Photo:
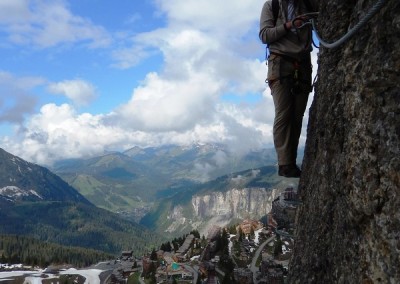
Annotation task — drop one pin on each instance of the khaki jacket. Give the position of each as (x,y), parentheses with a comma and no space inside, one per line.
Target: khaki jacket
(279,40)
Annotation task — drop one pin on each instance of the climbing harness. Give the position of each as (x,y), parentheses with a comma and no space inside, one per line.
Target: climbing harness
(295,77)
(309,19)
(297,82)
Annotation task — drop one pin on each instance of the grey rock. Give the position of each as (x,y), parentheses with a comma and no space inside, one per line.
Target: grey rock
(348,228)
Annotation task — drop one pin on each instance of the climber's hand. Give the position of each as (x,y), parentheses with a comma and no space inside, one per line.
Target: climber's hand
(296,22)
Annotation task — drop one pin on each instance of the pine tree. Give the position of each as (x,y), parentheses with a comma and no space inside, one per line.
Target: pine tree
(153,255)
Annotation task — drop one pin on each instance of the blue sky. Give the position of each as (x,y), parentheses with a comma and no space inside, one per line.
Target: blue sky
(81,77)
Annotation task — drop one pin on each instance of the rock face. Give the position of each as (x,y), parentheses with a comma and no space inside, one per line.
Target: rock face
(220,208)
(235,203)
(348,228)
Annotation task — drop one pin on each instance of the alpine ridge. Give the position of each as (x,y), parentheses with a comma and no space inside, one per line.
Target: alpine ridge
(21,180)
(34,202)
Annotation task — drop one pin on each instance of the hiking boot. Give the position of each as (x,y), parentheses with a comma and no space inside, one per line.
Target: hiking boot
(289,171)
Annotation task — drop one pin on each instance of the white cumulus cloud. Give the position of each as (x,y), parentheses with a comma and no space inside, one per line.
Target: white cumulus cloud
(48,23)
(78,91)
(209,49)
(59,131)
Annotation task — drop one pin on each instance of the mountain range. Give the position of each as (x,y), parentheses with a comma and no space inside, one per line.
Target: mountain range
(166,191)
(24,181)
(134,180)
(169,188)
(35,202)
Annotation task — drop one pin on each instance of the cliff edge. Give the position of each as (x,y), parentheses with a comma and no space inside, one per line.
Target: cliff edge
(348,226)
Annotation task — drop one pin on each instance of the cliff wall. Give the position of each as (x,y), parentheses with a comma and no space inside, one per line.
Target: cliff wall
(220,208)
(235,203)
(348,227)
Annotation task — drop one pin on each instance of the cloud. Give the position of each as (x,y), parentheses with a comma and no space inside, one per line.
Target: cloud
(209,49)
(236,17)
(129,57)
(45,24)
(170,105)
(199,69)
(80,92)
(21,106)
(16,99)
(135,17)
(14,11)
(59,131)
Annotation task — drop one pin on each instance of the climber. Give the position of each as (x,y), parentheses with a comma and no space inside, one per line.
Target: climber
(289,73)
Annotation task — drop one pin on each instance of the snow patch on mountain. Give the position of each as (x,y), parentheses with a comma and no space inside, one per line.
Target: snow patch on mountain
(15,192)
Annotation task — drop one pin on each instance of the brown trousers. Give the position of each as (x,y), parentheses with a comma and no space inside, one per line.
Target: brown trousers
(290,84)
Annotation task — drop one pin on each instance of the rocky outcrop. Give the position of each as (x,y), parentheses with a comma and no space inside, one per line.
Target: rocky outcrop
(348,228)
(235,203)
(220,208)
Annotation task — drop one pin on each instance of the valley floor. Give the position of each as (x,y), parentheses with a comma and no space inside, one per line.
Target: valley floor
(103,272)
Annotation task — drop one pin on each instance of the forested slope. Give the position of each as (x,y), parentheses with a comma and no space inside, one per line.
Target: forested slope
(29,251)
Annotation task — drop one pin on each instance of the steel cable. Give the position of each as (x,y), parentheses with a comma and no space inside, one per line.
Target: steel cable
(374,9)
